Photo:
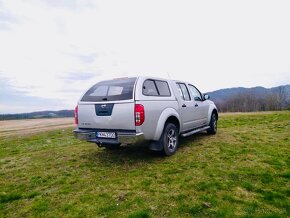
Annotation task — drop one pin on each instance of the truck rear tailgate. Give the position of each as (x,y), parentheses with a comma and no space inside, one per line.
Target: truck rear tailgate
(116,116)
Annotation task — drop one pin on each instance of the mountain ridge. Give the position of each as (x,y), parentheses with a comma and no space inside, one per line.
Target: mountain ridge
(224,94)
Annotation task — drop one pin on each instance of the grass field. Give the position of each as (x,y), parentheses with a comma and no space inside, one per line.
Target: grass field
(244,170)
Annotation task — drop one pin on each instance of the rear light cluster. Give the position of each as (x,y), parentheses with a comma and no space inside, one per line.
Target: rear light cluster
(76,115)
(139,114)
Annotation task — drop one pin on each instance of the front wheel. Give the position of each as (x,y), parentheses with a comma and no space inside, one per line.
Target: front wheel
(169,139)
(213,124)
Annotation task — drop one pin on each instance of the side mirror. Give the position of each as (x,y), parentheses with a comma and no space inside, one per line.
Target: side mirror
(206,96)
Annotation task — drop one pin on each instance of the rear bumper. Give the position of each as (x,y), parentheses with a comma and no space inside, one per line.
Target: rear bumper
(123,136)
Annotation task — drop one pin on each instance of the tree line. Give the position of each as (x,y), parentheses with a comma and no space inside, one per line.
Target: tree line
(37,115)
(249,101)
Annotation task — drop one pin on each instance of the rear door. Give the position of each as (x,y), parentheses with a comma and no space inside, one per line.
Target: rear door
(187,107)
(201,106)
(108,105)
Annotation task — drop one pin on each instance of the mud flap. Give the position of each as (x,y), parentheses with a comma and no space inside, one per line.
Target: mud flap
(155,146)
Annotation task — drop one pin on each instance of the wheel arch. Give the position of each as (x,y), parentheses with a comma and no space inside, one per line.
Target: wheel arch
(212,109)
(216,113)
(169,115)
(173,119)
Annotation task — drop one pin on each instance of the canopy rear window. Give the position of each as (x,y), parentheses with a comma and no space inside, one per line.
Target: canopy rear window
(111,90)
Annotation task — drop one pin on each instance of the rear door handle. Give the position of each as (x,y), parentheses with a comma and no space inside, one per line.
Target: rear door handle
(196,105)
(184,105)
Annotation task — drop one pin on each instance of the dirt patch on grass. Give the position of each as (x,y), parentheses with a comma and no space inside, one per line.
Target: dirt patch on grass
(24,127)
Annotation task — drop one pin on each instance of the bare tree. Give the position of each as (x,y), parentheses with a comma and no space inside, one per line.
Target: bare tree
(282,97)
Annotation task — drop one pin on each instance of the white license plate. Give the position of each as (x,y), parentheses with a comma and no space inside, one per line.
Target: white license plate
(110,135)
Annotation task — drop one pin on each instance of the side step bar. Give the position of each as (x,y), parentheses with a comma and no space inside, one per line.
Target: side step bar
(195,131)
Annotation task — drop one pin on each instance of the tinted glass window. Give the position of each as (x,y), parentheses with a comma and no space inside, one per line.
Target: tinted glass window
(149,88)
(111,90)
(195,93)
(183,90)
(163,88)
(100,91)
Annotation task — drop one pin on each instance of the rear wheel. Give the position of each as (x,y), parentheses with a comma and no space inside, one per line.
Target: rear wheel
(213,124)
(169,139)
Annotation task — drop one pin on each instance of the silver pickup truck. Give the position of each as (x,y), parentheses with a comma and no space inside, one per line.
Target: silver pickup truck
(127,110)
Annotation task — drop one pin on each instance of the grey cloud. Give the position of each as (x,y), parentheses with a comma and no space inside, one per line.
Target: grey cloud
(87,58)
(70,4)
(72,90)
(7,20)
(75,76)
(9,95)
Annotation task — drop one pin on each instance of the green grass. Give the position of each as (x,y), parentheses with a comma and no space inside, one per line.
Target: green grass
(244,171)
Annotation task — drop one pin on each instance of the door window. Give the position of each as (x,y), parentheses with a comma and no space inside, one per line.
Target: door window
(195,93)
(183,91)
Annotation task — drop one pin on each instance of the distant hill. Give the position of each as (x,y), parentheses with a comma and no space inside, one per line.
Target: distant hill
(259,91)
(252,99)
(38,114)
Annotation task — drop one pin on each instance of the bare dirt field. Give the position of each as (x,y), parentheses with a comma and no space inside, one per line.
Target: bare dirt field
(23,127)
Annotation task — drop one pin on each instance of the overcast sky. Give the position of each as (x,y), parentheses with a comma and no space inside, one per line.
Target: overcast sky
(51,51)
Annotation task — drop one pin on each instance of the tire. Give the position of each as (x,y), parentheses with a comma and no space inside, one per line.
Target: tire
(213,124)
(169,139)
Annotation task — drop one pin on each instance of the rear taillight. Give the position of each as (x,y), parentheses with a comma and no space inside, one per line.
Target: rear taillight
(139,114)
(76,115)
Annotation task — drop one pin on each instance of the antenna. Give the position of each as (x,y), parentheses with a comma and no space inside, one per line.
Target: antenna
(168,75)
